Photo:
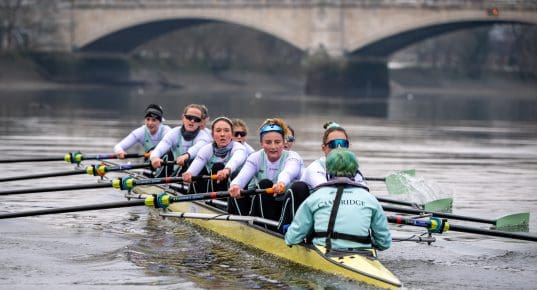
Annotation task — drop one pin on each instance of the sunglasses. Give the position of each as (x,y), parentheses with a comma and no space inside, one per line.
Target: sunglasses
(240,134)
(192,118)
(337,143)
(290,138)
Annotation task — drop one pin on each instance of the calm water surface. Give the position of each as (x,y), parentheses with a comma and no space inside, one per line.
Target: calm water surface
(481,151)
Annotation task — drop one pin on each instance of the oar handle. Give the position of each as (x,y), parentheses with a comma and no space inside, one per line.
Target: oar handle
(164,200)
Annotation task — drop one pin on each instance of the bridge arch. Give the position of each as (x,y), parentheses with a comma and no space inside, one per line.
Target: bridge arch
(388,45)
(124,34)
(398,29)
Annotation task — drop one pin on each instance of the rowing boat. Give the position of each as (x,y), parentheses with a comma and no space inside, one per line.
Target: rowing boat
(362,266)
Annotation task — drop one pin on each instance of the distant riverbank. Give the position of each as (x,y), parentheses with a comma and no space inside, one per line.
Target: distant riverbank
(20,73)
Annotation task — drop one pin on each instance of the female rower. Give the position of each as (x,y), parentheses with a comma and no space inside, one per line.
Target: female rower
(240,131)
(289,139)
(340,213)
(221,158)
(184,141)
(271,166)
(334,137)
(148,135)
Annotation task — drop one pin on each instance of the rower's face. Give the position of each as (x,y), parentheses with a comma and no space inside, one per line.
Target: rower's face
(152,124)
(239,134)
(192,119)
(272,143)
(222,133)
(332,136)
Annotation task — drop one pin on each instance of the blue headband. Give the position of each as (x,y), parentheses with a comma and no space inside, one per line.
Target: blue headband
(272,127)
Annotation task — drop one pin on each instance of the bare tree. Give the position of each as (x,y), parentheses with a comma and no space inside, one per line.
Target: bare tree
(9,15)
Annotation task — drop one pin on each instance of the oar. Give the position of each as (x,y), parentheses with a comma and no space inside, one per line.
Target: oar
(438,226)
(159,201)
(77,157)
(95,170)
(125,183)
(395,182)
(511,222)
(74,157)
(399,202)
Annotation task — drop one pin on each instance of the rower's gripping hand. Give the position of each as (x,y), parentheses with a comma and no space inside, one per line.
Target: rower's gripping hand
(278,188)
(234,191)
(121,154)
(187,177)
(156,162)
(222,175)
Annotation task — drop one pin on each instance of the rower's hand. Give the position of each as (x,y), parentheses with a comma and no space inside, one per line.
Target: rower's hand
(156,162)
(121,154)
(181,160)
(222,175)
(187,177)
(234,191)
(279,188)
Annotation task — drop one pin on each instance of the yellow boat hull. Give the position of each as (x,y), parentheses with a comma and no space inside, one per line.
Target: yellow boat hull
(363,268)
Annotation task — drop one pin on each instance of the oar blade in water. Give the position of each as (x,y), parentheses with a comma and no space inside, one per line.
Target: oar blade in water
(397,183)
(518,222)
(439,205)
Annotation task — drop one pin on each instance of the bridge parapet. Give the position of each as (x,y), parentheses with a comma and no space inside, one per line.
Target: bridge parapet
(433,4)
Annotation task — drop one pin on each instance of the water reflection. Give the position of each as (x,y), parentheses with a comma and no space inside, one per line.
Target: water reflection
(127,102)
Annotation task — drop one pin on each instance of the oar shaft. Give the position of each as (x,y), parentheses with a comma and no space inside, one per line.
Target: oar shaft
(472,230)
(437,214)
(375,178)
(56,188)
(84,157)
(43,175)
(464,229)
(149,201)
(73,209)
(38,159)
(109,156)
(214,195)
(394,201)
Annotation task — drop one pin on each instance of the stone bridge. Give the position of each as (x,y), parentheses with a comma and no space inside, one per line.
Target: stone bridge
(374,27)
(345,29)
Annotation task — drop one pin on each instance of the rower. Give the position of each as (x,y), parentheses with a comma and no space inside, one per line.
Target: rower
(222,158)
(271,166)
(147,135)
(289,139)
(240,131)
(340,213)
(334,137)
(185,140)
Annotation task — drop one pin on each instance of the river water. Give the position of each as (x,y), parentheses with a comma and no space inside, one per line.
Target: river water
(482,151)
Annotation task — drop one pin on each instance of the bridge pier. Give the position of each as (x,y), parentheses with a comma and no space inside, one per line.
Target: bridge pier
(347,77)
